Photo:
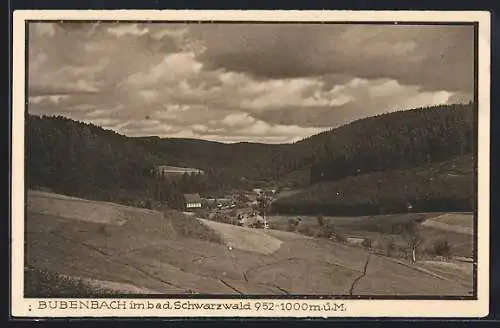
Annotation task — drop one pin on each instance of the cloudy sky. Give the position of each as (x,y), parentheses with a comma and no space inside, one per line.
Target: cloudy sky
(239,82)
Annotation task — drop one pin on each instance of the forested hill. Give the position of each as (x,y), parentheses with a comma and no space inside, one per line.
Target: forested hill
(424,157)
(85,160)
(250,160)
(390,141)
(393,141)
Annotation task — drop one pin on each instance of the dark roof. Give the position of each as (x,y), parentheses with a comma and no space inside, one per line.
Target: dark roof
(191,198)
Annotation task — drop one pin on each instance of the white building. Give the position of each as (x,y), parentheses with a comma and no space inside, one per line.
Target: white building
(192,201)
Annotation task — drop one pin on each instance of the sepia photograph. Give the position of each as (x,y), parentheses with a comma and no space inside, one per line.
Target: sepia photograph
(250,161)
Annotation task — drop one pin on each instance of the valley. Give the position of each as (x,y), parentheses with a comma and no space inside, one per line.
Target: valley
(381,206)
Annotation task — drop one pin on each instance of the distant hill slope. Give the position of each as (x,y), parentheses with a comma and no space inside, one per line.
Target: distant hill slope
(85,160)
(249,160)
(442,186)
(395,140)
(389,141)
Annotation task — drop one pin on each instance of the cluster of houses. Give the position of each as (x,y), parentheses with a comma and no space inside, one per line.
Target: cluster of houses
(239,208)
(195,201)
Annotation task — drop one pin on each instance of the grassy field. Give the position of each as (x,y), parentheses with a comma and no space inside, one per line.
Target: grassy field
(454,228)
(254,240)
(171,253)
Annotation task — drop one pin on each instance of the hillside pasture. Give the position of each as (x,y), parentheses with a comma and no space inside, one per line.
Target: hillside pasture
(455,228)
(253,240)
(462,223)
(171,253)
(74,208)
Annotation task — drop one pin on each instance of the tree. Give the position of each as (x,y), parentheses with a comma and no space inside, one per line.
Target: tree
(367,243)
(263,206)
(411,232)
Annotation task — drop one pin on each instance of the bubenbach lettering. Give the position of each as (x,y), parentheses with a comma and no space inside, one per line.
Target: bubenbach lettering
(78,305)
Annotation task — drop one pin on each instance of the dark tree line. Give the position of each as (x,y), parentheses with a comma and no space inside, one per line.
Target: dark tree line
(396,140)
(443,186)
(86,161)
(390,141)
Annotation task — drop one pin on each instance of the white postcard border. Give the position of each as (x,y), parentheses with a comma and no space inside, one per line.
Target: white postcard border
(22,307)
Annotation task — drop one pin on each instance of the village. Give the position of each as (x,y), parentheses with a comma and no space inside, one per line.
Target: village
(243,208)
(238,207)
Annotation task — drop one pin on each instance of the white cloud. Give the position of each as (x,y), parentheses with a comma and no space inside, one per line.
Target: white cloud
(128,29)
(152,80)
(237,120)
(52,99)
(173,67)
(176,33)
(44,29)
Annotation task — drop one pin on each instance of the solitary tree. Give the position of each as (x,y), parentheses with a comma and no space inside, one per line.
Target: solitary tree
(411,232)
(367,243)
(263,206)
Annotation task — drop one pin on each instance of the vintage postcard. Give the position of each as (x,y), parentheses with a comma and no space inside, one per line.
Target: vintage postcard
(250,164)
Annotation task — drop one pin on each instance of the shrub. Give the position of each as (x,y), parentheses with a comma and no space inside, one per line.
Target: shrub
(442,248)
(192,228)
(258,224)
(390,247)
(44,283)
(293,224)
(339,237)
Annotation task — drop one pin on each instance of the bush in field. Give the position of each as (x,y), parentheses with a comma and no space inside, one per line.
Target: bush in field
(327,231)
(442,248)
(293,224)
(390,248)
(192,228)
(339,237)
(257,225)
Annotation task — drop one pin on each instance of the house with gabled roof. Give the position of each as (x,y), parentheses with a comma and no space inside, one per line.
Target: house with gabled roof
(192,201)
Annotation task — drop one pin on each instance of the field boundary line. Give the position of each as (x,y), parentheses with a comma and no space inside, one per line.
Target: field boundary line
(351,290)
